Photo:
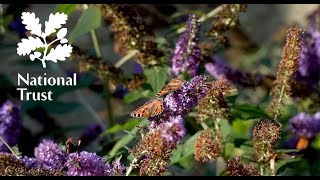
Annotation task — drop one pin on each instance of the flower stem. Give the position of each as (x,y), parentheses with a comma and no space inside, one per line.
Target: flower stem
(105,78)
(131,166)
(273,165)
(279,102)
(8,146)
(126,58)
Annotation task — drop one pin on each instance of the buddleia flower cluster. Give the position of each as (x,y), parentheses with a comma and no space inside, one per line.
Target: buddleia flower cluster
(286,71)
(50,157)
(167,130)
(305,128)
(10,125)
(187,53)
(236,168)
(10,165)
(219,69)
(208,145)
(265,135)
(131,32)
(213,105)
(226,19)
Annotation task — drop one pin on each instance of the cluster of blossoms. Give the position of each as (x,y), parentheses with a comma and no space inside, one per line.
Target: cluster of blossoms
(220,70)
(305,128)
(10,124)
(309,63)
(167,130)
(187,52)
(49,156)
(236,168)
(265,135)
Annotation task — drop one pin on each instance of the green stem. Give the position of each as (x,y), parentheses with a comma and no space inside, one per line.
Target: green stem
(125,58)
(131,166)
(105,78)
(277,113)
(108,101)
(8,146)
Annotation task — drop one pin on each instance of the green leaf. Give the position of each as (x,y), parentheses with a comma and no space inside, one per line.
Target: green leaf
(90,19)
(247,112)
(156,77)
(281,165)
(184,150)
(66,8)
(125,139)
(316,142)
(135,95)
(225,129)
(16,151)
(241,129)
(176,155)
(286,151)
(118,127)
(228,150)
(6,20)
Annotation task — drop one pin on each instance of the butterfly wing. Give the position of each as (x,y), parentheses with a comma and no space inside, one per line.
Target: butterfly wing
(70,147)
(174,85)
(149,109)
(159,108)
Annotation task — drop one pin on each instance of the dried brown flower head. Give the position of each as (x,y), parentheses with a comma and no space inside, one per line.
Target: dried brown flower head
(236,168)
(226,19)
(208,145)
(157,153)
(131,32)
(265,135)
(286,71)
(213,105)
(11,166)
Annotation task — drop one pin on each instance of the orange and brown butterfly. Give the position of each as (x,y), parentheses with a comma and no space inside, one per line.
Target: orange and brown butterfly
(149,109)
(70,147)
(174,85)
(302,143)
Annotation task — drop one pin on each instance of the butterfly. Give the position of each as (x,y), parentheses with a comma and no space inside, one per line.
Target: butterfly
(149,109)
(70,147)
(302,143)
(174,85)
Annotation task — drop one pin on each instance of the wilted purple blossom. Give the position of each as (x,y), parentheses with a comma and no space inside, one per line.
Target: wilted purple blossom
(10,124)
(305,125)
(30,162)
(173,130)
(16,25)
(309,63)
(187,53)
(137,69)
(117,169)
(220,70)
(177,105)
(87,164)
(49,155)
(92,131)
(120,91)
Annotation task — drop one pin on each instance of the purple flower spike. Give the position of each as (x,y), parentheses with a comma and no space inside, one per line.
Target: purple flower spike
(87,164)
(177,105)
(49,155)
(305,126)
(30,162)
(10,125)
(187,53)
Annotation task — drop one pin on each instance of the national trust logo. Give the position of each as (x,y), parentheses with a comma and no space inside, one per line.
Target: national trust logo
(37,45)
